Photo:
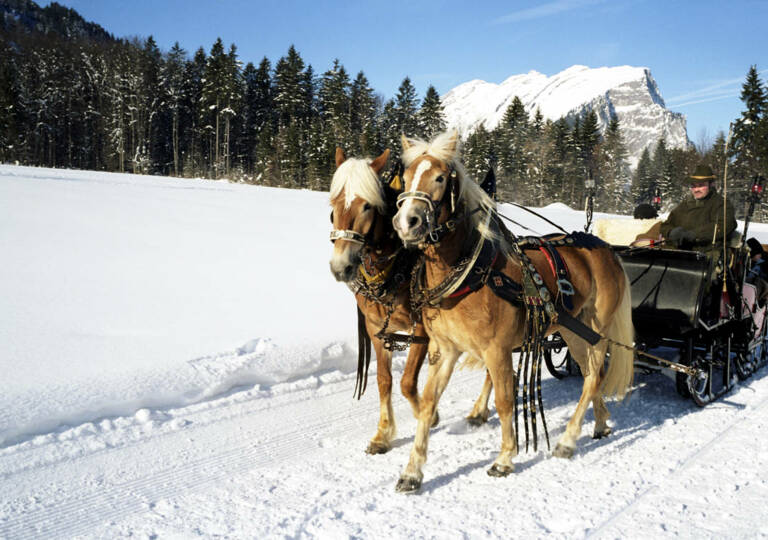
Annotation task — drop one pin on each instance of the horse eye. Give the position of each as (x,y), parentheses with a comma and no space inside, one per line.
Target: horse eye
(366,206)
(440,179)
(331,216)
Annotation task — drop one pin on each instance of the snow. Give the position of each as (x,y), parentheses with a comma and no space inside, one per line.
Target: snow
(178,362)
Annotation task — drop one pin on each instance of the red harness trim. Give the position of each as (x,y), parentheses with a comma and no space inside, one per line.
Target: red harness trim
(545,251)
(551,262)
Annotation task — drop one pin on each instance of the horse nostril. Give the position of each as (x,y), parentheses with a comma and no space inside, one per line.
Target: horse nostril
(413,222)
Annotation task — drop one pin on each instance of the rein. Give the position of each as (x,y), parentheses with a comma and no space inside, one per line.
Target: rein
(537,215)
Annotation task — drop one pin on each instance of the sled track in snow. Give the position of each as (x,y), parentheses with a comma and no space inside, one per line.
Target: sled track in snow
(604,529)
(261,437)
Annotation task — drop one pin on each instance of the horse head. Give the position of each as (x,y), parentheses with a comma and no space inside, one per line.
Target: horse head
(360,212)
(436,186)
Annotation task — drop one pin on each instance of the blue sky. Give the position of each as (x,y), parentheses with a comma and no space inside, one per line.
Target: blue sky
(698,51)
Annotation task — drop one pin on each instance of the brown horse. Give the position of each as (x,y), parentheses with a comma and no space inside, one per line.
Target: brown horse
(366,248)
(438,194)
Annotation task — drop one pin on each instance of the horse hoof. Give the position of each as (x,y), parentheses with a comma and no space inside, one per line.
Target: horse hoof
(435,420)
(377,448)
(562,451)
(477,420)
(500,470)
(408,485)
(601,434)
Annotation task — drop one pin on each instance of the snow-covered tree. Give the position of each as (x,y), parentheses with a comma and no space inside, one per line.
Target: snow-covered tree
(431,115)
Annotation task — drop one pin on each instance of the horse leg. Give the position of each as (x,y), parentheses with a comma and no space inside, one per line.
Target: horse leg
(479,414)
(409,383)
(385,433)
(601,413)
(602,429)
(591,366)
(437,378)
(503,376)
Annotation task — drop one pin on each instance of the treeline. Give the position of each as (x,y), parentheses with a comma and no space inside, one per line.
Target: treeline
(73,96)
(127,106)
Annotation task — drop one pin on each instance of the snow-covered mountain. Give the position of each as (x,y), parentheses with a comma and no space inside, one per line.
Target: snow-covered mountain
(628,92)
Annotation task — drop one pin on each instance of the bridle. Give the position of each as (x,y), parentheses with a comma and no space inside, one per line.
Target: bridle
(435,231)
(355,237)
(350,236)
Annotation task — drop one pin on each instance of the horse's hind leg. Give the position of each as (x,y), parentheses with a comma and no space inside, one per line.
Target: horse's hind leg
(601,413)
(385,433)
(590,367)
(479,414)
(409,383)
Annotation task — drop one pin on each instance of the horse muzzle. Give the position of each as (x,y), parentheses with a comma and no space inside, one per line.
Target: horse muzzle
(411,226)
(344,267)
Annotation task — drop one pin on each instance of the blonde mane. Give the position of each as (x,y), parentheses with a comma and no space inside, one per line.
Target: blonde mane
(445,147)
(356,178)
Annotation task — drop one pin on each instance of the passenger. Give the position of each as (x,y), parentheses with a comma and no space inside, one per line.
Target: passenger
(759,268)
(697,223)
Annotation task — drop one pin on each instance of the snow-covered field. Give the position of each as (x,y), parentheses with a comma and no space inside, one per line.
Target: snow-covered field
(176,361)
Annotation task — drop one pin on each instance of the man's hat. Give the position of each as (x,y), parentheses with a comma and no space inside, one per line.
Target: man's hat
(701,173)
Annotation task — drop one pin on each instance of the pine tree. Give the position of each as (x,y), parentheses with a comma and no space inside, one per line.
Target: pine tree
(363,112)
(194,160)
(478,156)
(511,135)
(612,194)
(643,183)
(431,115)
(261,122)
(289,98)
(406,109)
(334,106)
(749,147)
(661,169)
(172,84)
(589,138)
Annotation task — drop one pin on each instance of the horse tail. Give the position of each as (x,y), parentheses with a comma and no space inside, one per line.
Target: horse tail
(618,379)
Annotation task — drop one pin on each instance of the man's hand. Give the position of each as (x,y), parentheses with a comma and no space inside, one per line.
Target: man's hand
(682,238)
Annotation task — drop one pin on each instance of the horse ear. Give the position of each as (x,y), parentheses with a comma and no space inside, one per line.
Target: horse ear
(489,183)
(453,142)
(404,142)
(340,158)
(378,164)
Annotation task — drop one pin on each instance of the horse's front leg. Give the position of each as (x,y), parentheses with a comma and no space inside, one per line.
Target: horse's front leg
(385,433)
(409,383)
(438,376)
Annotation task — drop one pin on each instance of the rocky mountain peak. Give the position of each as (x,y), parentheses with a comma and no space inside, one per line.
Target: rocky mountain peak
(628,92)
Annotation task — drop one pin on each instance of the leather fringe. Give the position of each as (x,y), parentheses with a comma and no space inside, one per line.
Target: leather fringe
(363,356)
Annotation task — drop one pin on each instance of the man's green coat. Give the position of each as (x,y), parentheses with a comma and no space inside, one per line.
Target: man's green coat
(701,217)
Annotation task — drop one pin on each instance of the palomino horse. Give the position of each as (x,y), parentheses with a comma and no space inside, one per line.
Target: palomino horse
(363,233)
(366,245)
(440,198)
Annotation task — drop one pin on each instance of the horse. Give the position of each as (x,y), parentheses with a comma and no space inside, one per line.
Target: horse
(448,217)
(366,251)
(364,244)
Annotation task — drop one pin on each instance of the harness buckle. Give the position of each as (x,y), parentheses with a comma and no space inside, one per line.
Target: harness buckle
(565,287)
